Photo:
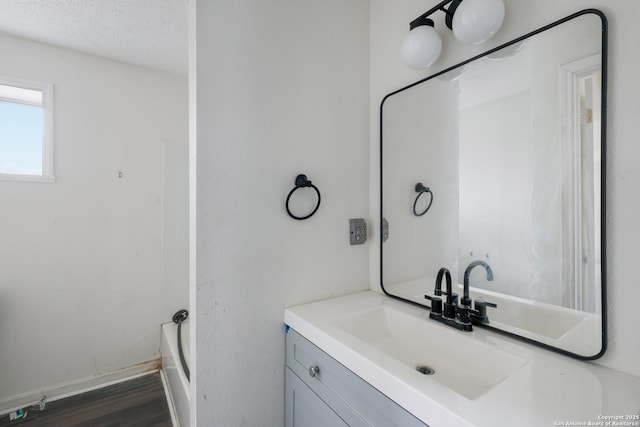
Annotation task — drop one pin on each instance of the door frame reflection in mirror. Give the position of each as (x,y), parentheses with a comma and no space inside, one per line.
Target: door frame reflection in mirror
(530,338)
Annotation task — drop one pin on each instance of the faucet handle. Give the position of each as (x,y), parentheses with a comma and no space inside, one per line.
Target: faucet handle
(436,305)
(480,302)
(480,313)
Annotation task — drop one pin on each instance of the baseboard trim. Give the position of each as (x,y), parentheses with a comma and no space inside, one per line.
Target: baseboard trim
(84,385)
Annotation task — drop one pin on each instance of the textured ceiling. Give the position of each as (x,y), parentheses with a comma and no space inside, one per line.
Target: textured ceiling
(151,33)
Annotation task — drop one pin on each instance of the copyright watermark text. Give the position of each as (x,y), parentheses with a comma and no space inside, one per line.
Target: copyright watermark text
(603,420)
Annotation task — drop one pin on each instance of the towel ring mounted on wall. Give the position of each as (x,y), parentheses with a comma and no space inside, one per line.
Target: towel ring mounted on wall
(302,182)
(421,189)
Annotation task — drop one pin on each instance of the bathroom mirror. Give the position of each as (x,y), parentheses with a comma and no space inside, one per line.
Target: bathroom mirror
(511,146)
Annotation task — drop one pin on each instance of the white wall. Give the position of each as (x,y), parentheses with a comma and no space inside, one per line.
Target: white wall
(175,226)
(280,88)
(389,24)
(80,259)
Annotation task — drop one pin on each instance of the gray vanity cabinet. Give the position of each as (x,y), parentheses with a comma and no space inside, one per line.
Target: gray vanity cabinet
(322,392)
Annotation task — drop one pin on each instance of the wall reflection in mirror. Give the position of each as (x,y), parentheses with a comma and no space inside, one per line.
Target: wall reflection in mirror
(512,144)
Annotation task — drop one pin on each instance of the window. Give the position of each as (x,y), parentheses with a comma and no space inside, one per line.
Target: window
(26,131)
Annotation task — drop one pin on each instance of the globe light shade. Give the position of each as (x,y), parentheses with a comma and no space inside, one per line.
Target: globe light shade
(476,21)
(421,47)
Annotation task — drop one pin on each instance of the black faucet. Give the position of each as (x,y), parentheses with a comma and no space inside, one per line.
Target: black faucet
(465,297)
(449,315)
(479,315)
(452,299)
(436,301)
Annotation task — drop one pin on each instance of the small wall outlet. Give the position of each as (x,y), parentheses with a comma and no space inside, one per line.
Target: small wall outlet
(357,231)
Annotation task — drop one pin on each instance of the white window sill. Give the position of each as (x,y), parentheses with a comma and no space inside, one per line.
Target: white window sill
(27,178)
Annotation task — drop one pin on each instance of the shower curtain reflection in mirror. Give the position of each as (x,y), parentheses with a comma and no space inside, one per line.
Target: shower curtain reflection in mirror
(528,199)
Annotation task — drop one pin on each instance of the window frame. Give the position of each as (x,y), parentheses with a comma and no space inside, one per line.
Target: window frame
(47,128)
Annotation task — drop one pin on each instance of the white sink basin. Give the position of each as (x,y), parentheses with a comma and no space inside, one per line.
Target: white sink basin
(422,342)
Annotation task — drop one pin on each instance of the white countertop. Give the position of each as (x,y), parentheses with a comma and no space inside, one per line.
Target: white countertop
(548,390)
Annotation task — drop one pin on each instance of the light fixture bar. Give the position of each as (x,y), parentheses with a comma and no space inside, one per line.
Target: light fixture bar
(420,20)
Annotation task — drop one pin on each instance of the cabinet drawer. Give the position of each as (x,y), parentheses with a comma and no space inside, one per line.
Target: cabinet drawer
(352,398)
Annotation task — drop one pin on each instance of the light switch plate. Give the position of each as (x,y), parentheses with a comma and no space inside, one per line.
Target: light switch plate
(357,231)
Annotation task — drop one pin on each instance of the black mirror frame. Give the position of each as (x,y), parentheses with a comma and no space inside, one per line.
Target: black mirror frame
(603,18)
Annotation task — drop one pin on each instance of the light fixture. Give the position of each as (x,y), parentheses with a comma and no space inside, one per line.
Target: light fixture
(422,46)
(472,22)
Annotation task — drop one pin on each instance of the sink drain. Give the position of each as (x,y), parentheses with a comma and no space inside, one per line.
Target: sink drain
(425,370)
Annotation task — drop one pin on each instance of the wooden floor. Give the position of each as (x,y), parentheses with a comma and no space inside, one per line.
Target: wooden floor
(139,402)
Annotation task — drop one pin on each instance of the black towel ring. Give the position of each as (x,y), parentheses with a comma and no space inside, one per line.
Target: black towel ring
(301,182)
(421,189)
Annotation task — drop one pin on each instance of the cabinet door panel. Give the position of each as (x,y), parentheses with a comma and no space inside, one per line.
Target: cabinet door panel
(303,408)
